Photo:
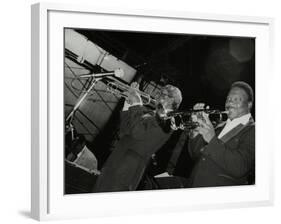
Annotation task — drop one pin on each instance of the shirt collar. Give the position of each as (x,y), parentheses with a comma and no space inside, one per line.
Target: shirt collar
(241,120)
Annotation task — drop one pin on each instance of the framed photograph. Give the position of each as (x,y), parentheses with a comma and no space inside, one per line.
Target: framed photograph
(138,111)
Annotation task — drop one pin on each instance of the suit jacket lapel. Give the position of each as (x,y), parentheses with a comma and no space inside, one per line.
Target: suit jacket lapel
(235,131)
(232,133)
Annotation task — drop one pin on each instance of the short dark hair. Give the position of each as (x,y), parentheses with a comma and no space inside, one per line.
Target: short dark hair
(246,87)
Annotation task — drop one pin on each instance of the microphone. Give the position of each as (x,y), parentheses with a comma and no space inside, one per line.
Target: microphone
(119,73)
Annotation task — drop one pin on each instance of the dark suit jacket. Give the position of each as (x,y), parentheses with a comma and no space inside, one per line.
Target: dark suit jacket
(141,135)
(224,163)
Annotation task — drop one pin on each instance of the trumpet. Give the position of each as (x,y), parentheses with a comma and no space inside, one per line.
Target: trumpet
(184,120)
(119,89)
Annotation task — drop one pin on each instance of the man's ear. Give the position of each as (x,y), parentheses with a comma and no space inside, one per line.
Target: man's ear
(250,104)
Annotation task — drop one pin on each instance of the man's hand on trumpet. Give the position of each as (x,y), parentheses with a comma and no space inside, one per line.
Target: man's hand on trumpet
(205,126)
(133,97)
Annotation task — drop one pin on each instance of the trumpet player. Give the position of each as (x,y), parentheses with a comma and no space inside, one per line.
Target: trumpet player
(142,133)
(225,156)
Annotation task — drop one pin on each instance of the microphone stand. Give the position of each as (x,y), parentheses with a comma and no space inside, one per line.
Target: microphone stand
(70,117)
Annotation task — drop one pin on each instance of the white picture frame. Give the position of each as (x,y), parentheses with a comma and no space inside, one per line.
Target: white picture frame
(48,201)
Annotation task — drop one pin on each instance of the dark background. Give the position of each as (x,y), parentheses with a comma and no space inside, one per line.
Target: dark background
(203,67)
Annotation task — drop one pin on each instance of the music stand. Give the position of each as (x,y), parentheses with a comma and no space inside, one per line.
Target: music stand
(78,103)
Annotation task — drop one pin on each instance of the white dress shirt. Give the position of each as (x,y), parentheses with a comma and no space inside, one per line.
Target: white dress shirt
(230,124)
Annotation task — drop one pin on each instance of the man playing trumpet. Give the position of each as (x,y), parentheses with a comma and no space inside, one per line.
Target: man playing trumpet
(225,156)
(142,133)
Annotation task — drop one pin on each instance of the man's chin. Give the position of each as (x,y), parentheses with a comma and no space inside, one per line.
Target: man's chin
(230,115)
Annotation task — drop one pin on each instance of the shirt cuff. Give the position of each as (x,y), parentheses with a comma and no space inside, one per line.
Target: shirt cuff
(127,106)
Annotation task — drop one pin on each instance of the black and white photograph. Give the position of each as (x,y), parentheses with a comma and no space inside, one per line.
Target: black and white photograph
(157,111)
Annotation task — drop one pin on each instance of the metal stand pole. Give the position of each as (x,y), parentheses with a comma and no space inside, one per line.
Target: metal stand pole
(80,100)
